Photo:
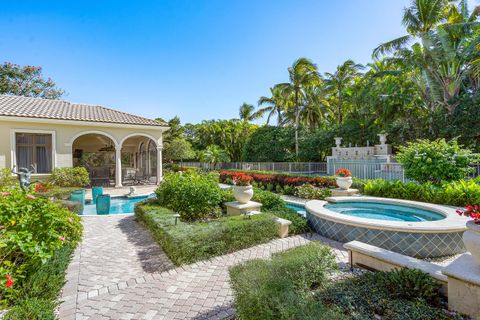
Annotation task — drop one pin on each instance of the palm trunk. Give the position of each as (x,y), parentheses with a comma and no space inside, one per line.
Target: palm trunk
(296,124)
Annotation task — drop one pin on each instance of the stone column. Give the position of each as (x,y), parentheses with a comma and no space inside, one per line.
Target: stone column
(118,167)
(159,164)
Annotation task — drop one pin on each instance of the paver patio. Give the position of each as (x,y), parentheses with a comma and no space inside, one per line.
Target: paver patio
(119,272)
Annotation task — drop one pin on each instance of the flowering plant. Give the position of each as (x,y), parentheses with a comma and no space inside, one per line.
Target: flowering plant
(242,179)
(342,172)
(471,212)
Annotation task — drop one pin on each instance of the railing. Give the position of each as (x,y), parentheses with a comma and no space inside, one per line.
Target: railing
(309,168)
(362,169)
(369,169)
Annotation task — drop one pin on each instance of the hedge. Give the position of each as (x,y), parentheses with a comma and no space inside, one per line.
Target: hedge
(186,243)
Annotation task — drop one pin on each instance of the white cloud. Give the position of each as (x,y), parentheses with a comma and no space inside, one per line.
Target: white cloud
(473,3)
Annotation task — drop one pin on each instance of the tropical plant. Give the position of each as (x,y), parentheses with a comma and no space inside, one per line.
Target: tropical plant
(213,154)
(247,112)
(434,161)
(69,177)
(178,149)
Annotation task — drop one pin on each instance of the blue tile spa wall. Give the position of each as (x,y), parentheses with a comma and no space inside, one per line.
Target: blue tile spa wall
(419,245)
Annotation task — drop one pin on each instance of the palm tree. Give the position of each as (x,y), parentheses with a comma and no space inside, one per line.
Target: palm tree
(276,104)
(337,83)
(214,155)
(247,112)
(419,18)
(302,73)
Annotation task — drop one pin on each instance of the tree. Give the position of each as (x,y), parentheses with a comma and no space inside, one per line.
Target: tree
(276,104)
(302,73)
(27,81)
(339,83)
(214,155)
(247,112)
(178,149)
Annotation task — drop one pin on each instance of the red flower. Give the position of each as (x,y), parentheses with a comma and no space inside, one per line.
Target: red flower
(342,172)
(471,212)
(241,179)
(4,194)
(61,238)
(9,283)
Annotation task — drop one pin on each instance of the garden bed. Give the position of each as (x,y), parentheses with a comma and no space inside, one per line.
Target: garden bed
(188,242)
(302,283)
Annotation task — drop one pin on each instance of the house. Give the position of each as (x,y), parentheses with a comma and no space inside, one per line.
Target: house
(116,147)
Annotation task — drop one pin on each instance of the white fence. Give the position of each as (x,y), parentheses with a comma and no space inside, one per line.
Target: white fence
(309,168)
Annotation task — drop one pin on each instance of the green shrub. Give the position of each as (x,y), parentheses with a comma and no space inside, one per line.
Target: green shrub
(269,200)
(279,288)
(188,242)
(69,177)
(7,179)
(193,195)
(384,295)
(434,161)
(410,284)
(33,228)
(32,309)
(459,193)
(299,224)
(308,191)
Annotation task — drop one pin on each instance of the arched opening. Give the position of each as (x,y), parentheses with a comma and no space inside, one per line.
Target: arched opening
(96,153)
(139,160)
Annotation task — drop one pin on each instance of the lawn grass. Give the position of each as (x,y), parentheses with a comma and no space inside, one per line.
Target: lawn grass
(186,243)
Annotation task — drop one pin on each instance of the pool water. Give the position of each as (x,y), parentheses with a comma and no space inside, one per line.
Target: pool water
(299,208)
(380,211)
(117,205)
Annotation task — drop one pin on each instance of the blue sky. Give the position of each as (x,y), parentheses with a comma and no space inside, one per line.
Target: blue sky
(198,59)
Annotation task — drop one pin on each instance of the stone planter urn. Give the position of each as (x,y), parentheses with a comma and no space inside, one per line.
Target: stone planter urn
(344,183)
(383,138)
(243,194)
(471,239)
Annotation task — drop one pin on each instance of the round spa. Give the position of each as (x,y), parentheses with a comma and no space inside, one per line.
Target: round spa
(415,229)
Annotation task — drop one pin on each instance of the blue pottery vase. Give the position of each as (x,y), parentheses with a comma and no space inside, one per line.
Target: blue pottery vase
(103,204)
(78,196)
(96,191)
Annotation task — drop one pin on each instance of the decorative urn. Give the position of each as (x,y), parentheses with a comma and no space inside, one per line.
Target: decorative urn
(344,178)
(242,190)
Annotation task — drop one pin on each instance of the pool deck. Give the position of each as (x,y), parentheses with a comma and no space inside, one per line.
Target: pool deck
(119,272)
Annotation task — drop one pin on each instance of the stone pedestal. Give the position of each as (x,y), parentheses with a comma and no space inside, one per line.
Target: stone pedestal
(344,193)
(236,208)
(464,285)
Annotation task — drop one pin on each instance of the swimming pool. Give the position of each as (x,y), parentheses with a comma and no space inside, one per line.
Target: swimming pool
(299,208)
(383,211)
(118,205)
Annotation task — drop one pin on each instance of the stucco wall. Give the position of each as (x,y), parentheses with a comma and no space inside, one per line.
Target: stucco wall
(65,133)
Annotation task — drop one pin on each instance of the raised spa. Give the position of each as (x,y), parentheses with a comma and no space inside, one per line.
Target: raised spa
(411,228)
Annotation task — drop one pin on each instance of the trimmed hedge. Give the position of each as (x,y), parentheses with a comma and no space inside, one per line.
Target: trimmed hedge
(186,243)
(458,193)
(37,296)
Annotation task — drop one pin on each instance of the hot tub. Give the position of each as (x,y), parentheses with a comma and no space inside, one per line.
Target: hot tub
(415,229)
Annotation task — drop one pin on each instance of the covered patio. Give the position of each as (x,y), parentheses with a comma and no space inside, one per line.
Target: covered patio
(134,160)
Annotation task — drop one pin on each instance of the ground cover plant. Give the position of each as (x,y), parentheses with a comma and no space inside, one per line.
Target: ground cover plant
(188,242)
(35,233)
(457,193)
(310,192)
(296,284)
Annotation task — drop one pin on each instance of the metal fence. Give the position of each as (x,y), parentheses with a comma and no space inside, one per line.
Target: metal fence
(309,168)
(362,169)
(369,169)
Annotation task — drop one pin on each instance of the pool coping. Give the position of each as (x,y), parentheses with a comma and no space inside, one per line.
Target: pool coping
(452,222)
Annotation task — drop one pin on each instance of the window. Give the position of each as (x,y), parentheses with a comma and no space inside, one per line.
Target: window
(34,149)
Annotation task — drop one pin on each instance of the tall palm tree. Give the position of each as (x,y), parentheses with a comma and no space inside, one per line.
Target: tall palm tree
(338,82)
(247,112)
(302,73)
(419,18)
(276,105)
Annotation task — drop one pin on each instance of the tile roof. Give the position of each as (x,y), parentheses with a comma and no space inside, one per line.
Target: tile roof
(18,106)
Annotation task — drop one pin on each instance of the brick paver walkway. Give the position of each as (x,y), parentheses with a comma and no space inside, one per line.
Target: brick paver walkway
(119,272)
